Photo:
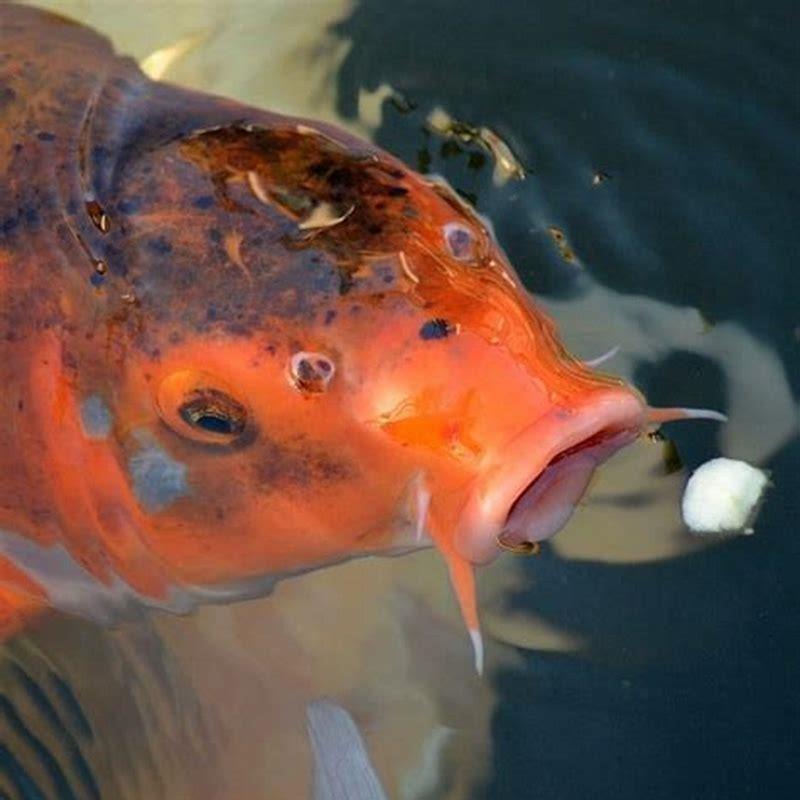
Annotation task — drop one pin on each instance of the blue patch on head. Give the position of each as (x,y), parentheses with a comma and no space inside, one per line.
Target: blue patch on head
(96,417)
(158,479)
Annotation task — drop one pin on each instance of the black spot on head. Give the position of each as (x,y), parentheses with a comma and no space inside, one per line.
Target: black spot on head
(215,235)
(330,315)
(397,191)
(9,224)
(45,136)
(206,201)
(436,329)
(160,245)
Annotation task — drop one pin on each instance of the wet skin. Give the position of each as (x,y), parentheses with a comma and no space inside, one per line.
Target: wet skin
(237,346)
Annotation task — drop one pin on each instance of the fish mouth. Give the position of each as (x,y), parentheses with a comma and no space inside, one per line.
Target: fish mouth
(538,478)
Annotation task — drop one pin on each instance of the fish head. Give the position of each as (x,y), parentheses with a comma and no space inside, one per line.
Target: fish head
(326,356)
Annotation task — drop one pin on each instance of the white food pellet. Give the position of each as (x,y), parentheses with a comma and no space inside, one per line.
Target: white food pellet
(723,496)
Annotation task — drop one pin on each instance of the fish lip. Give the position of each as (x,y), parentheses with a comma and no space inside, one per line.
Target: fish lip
(616,415)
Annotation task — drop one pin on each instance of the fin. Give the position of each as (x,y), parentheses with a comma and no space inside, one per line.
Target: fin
(342,767)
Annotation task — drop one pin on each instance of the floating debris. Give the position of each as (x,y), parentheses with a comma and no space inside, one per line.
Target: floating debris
(723,497)
(600,177)
(158,63)
(562,245)
(401,103)
(507,165)
(671,458)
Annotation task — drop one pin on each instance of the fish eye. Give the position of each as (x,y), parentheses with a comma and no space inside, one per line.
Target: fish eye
(200,407)
(460,241)
(214,412)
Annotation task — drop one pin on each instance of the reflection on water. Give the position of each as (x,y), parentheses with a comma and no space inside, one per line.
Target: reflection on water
(629,659)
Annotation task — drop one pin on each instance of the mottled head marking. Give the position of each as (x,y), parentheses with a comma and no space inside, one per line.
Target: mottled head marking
(96,417)
(158,479)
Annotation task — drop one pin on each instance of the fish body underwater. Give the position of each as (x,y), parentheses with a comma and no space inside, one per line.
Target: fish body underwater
(237,346)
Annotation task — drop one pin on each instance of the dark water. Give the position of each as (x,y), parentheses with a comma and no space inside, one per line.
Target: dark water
(686,686)
(689,687)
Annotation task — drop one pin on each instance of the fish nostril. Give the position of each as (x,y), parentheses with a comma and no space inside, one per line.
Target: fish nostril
(311,372)
(460,241)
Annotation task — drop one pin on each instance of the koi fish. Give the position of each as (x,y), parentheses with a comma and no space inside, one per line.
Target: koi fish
(237,346)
